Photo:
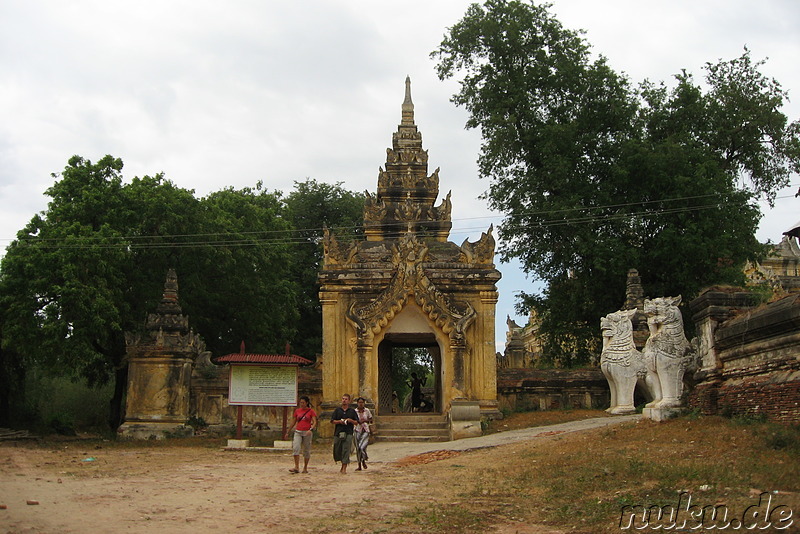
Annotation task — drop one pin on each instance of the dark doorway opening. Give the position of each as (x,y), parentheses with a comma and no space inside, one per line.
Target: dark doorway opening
(399,355)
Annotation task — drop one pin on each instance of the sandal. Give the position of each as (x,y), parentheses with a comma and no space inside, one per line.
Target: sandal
(294,471)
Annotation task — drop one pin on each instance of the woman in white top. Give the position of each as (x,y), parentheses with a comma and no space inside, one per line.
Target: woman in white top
(362,432)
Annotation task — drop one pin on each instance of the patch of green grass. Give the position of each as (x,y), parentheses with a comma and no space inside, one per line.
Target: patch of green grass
(584,480)
(786,438)
(749,419)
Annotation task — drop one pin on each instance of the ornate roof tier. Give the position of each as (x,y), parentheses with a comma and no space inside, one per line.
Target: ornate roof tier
(406,193)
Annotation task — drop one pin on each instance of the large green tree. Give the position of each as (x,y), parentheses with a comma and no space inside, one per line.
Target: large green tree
(70,285)
(239,286)
(596,175)
(310,207)
(12,377)
(92,266)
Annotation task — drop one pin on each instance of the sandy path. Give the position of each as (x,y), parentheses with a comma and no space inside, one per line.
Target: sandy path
(189,491)
(196,489)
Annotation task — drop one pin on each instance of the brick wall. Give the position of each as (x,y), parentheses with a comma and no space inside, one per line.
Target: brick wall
(751,358)
(551,389)
(752,396)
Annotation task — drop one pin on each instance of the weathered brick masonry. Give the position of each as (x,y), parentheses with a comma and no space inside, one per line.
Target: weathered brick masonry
(552,389)
(750,356)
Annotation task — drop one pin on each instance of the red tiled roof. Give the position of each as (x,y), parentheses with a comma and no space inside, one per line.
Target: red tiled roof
(238,357)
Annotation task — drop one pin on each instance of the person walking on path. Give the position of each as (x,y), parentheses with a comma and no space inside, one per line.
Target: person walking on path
(305,421)
(345,418)
(362,432)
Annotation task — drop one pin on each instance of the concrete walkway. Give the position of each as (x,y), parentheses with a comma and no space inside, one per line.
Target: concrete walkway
(393,451)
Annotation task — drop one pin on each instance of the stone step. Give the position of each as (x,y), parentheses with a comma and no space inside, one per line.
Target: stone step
(410,425)
(412,431)
(411,417)
(406,438)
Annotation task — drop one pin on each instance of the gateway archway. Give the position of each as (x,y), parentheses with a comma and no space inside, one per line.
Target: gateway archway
(394,354)
(408,286)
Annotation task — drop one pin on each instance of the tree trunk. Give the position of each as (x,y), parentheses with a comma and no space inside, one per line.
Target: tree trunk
(5,390)
(12,388)
(116,408)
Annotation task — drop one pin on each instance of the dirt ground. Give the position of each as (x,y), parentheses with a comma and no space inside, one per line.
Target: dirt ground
(99,487)
(177,489)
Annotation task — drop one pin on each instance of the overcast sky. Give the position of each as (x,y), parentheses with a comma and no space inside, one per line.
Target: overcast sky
(218,94)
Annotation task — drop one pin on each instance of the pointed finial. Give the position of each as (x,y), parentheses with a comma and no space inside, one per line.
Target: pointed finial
(169,298)
(408,105)
(171,286)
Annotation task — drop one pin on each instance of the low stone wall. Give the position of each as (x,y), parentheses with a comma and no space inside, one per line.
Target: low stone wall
(750,356)
(551,389)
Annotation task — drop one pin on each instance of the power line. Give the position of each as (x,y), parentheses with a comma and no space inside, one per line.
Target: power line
(312,235)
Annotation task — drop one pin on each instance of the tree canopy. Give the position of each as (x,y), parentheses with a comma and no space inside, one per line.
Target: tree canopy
(72,282)
(93,265)
(310,207)
(238,286)
(596,175)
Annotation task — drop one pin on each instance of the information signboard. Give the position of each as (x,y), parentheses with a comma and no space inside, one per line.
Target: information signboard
(263,385)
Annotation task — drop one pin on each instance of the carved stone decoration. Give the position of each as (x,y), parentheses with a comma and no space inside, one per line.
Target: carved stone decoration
(670,351)
(409,210)
(405,156)
(634,298)
(334,252)
(410,279)
(622,364)
(406,193)
(442,211)
(481,251)
(374,209)
(634,292)
(408,134)
(432,181)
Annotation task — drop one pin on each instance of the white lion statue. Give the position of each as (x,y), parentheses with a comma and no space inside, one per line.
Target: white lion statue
(623,365)
(667,348)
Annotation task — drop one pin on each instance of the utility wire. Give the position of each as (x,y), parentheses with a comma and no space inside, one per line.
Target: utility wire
(312,235)
(81,242)
(344,228)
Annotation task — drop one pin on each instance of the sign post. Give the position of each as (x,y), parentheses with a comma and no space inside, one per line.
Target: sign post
(261,380)
(262,385)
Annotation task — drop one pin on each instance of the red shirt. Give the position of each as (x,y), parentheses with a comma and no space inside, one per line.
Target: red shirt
(303,416)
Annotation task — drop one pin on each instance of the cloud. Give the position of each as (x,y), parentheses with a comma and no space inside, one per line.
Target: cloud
(225,94)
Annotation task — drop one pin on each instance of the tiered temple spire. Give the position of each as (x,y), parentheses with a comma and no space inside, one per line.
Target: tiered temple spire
(169,316)
(406,193)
